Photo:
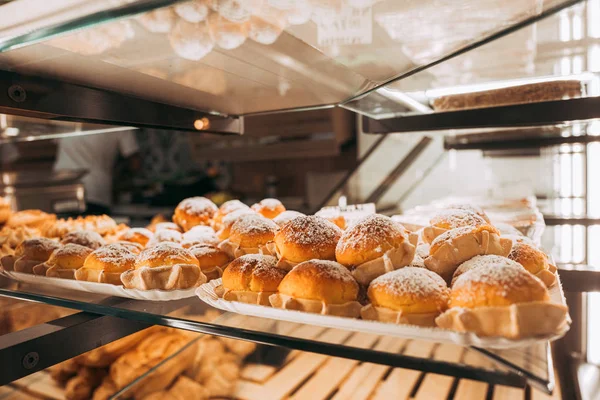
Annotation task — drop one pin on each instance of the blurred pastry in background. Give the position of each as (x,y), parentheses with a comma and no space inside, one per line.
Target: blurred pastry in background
(192,11)
(5,210)
(10,238)
(31,219)
(165,235)
(228,35)
(63,262)
(191,41)
(158,21)
(83,237)
(450,219)
(166,225)
(286,217)
(269,208)
(200,234)
(28,254)
(212,261)
(250,234)
(194,211)
(137,235)
(225,209)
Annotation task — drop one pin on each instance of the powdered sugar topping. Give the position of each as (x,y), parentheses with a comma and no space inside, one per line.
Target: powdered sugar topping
(269,204)
(231,206)
(85,238)
(493,270)
(72,250)
(166,252)
(114,254)
(410,281)
(133,232)
(456,218)
(253,224)
(326,270)
(286,217)
(197,206)
(310,230)
(371,227)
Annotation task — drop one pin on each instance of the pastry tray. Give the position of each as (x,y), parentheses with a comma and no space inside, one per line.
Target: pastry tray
(206,293)
(100,288)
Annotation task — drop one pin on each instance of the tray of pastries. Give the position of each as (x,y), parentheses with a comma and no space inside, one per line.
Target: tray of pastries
(458,280)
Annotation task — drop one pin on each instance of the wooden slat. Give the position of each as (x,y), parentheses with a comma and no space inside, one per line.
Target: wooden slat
(435,386)
(257,372)
(46,387)
(537,395)
(333,371)
(508,393)
(469,390)
(476,359)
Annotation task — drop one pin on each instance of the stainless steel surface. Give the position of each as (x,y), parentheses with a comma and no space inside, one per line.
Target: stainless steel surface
(30,350)
(67,198)
(31,179)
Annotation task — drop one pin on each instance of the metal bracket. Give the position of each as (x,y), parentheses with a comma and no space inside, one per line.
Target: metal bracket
(30,350)
(50,99)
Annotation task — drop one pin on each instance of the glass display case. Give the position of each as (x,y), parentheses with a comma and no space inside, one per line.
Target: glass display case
(444,92)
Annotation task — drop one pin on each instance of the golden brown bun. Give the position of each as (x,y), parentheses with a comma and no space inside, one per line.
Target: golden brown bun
(472,208)
(164,254)
(194,211)
(339,220)
(254,273)
(227,208)
(252,230)
(136,235)
(103,224)
(209,257)
(494,284)
(165,235)
(10,238)
(135,248)
(325,281)
(200,235)
(478,261)
(286,217)
(307,237)
(411,290)
(450,219)
(86,238)
(230,219)
(532,259)
(369,239)
(36,249)
(157,219)
(70,256)
(269,208)
(106,264)
(166,225)
(32,219)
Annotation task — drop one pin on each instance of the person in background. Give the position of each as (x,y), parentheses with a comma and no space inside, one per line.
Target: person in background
(97,154)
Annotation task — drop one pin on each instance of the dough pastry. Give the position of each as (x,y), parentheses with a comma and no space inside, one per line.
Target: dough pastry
(28,254)
(226,208)
(86,238)
(64,261)
(269,208)
(534,261)
(106,264)
(194,211)
(137,235)
(250,234)
(450,219)
(282,219)
(212,261)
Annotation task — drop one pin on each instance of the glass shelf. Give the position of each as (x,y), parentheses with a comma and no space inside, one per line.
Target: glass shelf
(242,57)
(512,368)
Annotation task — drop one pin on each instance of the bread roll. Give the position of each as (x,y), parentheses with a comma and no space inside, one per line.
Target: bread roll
(226,208)
(502,299)
(478,261)
(373,246)
(200,235)
(318,286)
(31,219)
(286,217)
(10,238)
(212,261)
(106,264)
(269,208)
(306,238)
(251,278)
(230,219)
(136,235)
(28,254)
(450,219)
(165,235)
(166,225)
(194,211)
(470,207)
(250,234)
(409,295)
(133,247)
(86,238)
(64,261)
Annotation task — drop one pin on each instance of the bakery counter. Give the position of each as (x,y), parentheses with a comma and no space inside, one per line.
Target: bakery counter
(113,315)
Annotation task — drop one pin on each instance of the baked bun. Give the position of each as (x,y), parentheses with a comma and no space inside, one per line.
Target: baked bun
(194,211)
(212,261)
(32,219)
(373,246)
(200,235)
(249,235)
(102,224)
(10,238)
(269,208)
(230,219)
(64,261)
(5,210)
(450,219)
(136,235)
(534,261)
(471,208)
(478,261)
(166,225)
(409,295)
(502,299)
(453,247)
(86,238)
(165,267)
(133,247)
(28,254)
(165,235)
(227,208)
(286,217)
(106,264)
(251,278)
(321,287)
(306,238)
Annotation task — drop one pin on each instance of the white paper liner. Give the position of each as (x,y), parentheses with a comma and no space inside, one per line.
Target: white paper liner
(515,321)
(391,260)
(99,276)
(212,273)
(547,277)
(25,266)
(100,288)
(431,232)
(234,250)
(282,262)
(207,294)
(41,269)
(370,312)
(350,309)
(63,273)
(171,277)
(8,262)
(246,296)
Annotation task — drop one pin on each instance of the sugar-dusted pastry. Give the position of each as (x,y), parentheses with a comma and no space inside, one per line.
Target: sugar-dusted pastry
(165,235)
(456,246)
(10,238)
(305,238)
(373,246)
(470,207)
(534,261)
(137,235)
(5,210)
(269,208)
(320,287)
(250,234)
(28,254)
(106,264)
(166,225)
(31,219)
(212,261)
(450,219)
(158,21)
(334,215)
(166,267)
(226,208)
(86,238)
(502,299)
(478,261)
(286,217)
(251,278)
(133,247)
(64,261)
(102,224)
(200,234)
(409,295)
(194,211)
(158,219)
(230,219)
